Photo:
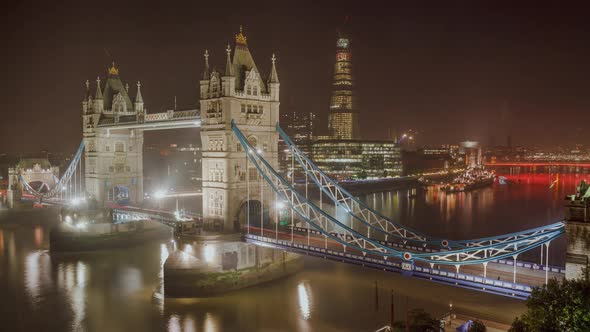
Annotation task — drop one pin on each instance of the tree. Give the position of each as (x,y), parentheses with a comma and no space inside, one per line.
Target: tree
(478,326)
(557,306)
(419,321)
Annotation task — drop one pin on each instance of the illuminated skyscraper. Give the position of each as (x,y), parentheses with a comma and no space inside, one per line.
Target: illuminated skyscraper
(343,119)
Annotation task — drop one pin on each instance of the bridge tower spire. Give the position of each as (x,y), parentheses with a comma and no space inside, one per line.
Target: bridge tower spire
(244,96)
(206,75)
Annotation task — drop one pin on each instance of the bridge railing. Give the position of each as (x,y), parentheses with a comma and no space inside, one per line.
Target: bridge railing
(500,287)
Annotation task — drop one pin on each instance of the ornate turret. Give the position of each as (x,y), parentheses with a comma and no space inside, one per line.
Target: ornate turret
(98,94)
(229,71)
(138,99)
(228,81)
(87,101)
(206,70)
(204,84)
(273,80)
(98,98)
(274,77)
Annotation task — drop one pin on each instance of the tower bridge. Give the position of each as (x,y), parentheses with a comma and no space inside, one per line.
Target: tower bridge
(243,192)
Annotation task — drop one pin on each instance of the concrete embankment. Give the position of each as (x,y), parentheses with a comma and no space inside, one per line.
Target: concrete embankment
(212,269)
(66,238)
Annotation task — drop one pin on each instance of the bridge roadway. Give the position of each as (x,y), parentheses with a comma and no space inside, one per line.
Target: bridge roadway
(498,280)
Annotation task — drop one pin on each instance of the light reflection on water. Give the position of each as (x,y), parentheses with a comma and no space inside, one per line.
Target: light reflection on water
(304,297)
(123,289)
(1,242)
(71,280)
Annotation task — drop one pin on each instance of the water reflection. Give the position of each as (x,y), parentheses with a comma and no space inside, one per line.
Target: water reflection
(211,324)
(1,242)
(38,234)
(123,289)
(72,279)
(304,298)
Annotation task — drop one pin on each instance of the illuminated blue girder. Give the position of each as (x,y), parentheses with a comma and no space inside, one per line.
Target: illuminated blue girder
(498,248)
(376,221)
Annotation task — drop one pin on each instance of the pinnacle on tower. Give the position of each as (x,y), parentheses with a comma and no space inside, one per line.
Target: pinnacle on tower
(138,97)
(87,95)
(113,71)
(228,65)
(274,78)
(240,38)
(98,90)
(206,70)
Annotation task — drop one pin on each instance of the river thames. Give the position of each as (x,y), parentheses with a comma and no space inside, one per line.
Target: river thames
(121,290)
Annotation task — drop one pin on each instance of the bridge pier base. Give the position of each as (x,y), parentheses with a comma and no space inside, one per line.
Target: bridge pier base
(210,268)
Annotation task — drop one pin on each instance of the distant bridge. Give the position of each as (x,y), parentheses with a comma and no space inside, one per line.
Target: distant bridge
(538,164)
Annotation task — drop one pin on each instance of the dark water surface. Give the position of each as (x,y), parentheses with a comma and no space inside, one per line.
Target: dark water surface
(121,290)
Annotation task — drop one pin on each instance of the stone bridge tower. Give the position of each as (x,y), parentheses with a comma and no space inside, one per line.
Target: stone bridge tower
(240,93)
(113,149)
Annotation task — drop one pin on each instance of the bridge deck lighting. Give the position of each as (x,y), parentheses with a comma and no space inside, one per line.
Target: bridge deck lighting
(159,194)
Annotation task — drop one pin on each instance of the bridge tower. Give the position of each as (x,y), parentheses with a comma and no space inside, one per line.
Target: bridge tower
(240,94)
(577,230)
(113,148)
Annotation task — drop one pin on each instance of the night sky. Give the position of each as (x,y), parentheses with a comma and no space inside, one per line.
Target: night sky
(452,70)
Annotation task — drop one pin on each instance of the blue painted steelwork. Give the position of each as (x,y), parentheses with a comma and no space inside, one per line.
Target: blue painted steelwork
(501,248)
(340,196)
(488,285)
